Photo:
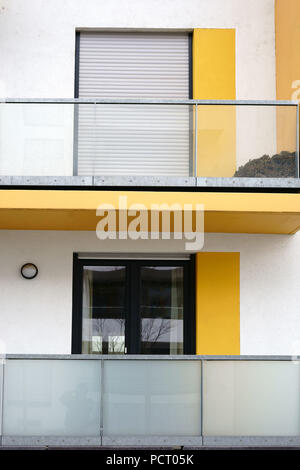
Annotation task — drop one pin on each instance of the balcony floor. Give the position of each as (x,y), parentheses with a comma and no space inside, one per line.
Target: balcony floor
(110,181)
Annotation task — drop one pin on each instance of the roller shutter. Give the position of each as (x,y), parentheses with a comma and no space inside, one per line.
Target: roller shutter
(134,139)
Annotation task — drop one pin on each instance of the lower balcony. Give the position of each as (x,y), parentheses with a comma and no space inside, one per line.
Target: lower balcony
(190,401)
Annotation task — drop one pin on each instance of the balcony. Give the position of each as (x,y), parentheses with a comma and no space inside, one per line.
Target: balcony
(171,143)
(209,150)
(149,400)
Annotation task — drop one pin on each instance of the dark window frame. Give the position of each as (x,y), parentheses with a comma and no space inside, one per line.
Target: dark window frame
(132,330)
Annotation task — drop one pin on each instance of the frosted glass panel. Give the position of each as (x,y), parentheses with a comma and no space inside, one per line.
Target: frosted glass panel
(1,391)
(152,398)
(52,398)
(248,398)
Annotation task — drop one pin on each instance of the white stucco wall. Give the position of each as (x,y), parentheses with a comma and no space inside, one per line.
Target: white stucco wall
(38,38)
(37,54)
(36,315)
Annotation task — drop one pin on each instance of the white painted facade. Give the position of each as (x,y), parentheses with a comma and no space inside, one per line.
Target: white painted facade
(38,60)
(38,38)
(36,315)
(37,57)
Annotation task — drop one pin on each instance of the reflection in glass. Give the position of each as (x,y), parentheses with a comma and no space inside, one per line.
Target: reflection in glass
(258,398)
(158,398)
(161,309)
(103,310)
(112,138)
(51,397)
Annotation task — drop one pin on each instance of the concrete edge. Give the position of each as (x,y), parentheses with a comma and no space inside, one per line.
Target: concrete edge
(48,180)
(237,182)
(162,441)
(150,181)
(251,441)
(156,181)
(40,441)
(189,442)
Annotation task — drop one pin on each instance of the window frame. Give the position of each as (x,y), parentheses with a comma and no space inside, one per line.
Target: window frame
(132,316)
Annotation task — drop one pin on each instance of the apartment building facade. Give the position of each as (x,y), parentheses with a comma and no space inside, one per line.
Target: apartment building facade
(110,110)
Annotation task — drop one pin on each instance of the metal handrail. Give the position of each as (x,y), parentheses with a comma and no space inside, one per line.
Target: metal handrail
(158,357)
(149,101)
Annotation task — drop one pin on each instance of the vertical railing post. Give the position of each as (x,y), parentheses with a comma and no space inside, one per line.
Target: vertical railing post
(196,140)
(297,142)
(75,138)
(201,400)
(101,399)
(2,400)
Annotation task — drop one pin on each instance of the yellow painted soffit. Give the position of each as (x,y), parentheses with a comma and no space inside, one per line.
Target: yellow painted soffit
(90,200)
(76,210)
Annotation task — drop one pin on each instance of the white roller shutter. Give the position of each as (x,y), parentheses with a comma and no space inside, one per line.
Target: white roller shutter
(133,139)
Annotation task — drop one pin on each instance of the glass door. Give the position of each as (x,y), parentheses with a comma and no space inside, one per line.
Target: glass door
(133,306)
(103,309)
(161,309)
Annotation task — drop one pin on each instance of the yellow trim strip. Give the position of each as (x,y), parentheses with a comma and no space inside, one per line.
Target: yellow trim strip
(218,303)
(214,78)
(287,36)
(214,64)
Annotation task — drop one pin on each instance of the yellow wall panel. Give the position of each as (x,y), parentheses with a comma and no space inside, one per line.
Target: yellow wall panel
(287,29)
(214,64)
(218,303)
(214,78)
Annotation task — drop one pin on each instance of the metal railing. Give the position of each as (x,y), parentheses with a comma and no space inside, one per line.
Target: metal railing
(154,137)
(149,400)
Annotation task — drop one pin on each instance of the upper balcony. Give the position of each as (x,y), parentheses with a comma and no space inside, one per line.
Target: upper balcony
(173,143)
(207,150)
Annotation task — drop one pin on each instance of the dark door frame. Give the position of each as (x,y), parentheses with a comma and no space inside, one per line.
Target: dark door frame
(132,329)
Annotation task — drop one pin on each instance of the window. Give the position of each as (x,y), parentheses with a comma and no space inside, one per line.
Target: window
(133,306)
(130,139)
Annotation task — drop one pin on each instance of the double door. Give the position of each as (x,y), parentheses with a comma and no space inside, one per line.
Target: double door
(133,306)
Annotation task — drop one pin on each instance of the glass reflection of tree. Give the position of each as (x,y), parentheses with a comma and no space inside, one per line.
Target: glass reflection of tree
(109,331)
(155,328)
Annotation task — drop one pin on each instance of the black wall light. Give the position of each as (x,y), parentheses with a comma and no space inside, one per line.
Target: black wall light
(29,271)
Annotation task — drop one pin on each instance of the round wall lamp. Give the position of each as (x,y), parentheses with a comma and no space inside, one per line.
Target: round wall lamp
(29,271)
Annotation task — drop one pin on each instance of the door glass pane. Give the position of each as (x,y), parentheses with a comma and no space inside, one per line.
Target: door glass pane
(161,310)
(103,310)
